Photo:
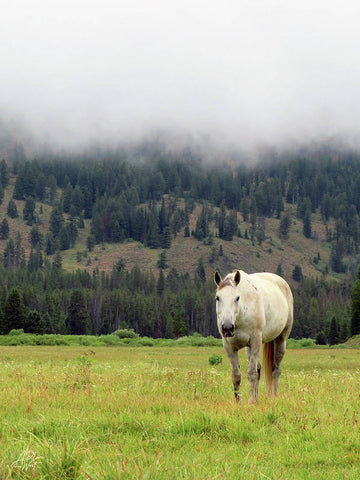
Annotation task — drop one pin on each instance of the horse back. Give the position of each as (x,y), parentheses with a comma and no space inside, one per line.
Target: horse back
(277,280)
(276,296)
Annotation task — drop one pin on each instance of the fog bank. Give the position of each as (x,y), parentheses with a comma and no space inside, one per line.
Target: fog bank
(236,74)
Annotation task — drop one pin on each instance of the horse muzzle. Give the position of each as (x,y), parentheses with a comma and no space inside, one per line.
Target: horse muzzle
(228,330)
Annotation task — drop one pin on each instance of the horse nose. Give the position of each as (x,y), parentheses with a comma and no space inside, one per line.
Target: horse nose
(228,330)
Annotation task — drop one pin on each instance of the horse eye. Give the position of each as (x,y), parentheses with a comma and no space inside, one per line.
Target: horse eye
(237,299)
(217,298)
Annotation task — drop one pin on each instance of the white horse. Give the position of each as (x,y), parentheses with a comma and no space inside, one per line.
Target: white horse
(253,310)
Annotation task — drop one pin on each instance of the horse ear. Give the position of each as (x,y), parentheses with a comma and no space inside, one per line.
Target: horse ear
(217,278)
(237,277)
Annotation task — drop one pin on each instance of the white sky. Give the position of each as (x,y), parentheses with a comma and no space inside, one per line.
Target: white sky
(239,72)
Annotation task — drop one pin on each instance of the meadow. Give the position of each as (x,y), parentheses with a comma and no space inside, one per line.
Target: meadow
(167,413)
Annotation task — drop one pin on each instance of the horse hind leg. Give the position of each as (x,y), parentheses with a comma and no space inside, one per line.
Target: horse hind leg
(279,352)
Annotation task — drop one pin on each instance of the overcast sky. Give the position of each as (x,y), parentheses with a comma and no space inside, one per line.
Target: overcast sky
(238,72)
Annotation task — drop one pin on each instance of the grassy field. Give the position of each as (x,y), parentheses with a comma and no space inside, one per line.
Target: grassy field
(166,413)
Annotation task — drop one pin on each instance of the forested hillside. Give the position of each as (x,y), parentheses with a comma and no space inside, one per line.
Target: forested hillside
(132,238)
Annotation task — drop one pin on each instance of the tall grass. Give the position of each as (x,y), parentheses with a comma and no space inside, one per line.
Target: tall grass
(166,413)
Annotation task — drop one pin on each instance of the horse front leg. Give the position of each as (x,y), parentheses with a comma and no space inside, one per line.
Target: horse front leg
(253,372)
(236,375)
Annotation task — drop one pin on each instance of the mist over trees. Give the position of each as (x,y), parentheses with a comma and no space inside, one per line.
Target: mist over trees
(123,195)
(147,195)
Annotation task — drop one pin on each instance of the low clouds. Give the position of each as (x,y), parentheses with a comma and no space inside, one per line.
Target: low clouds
(237,72)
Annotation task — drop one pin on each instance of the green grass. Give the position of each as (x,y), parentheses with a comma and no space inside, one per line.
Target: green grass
(119,338)
(165,413)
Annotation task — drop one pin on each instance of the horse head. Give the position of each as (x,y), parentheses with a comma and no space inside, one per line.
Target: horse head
(227,302)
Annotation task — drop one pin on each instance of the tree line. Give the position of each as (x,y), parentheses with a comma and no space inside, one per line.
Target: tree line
(123,194)
(46,299)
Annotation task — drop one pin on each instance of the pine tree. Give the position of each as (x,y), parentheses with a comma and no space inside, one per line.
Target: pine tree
(35,260)
(172,281)
(78,319)
(4,229)
(36,237)
(163,217)
(337,254)
(2,326)
(230,226)
(73,231)
(50,244)
(279,270)
(162,260)
(334,332)
(313,318)
(35,323)
(169,326)
(90,242)
(14,316)
(28,211)
(160,286)
(9,254)
(285,224)
(19,252)
(25,182)
(321,338)
(40,187)
(177,221)
(202,224)
(355,307)
(52,186)
(4,174)
(66,198)
(179,326)
(56,220)
(166,238)
(12,209)
(344,331)
(77,200)
(297,274)
(88,202)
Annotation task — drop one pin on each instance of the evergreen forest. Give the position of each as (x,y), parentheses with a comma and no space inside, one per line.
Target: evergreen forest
(157,199)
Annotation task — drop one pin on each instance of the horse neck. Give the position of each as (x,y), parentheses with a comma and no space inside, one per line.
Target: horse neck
(246,285)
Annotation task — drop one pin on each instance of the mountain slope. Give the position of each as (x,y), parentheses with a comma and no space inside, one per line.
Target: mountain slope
(185,252)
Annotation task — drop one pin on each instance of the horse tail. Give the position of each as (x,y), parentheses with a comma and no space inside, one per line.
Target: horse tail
(268,362)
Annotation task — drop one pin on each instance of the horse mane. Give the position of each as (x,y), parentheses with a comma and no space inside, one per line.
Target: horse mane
(225,283)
